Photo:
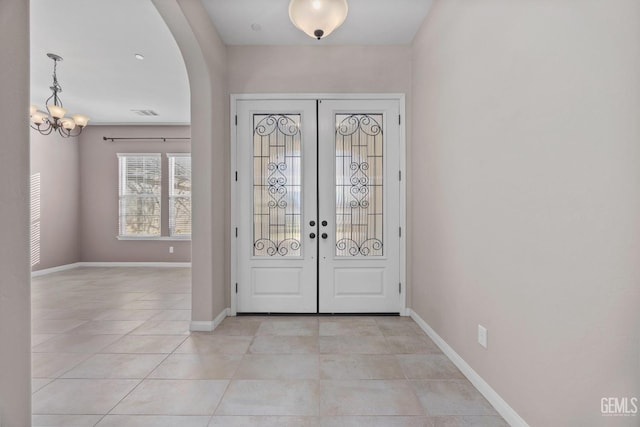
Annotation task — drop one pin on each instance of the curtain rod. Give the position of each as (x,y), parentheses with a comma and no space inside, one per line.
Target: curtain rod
(108,138)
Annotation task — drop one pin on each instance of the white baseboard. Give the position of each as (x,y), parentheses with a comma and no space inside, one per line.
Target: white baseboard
(209,325)
(134,264)
(107,264)
(46,271)
(503,408)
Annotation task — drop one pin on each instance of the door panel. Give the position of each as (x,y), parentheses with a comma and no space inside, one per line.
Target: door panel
(359,195)
(318,197)
(276,151)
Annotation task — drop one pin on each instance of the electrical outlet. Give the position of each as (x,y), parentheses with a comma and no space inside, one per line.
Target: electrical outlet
(170,249)
(482,336)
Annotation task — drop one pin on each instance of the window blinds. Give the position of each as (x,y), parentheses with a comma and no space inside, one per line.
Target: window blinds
(179,194)
(140,187)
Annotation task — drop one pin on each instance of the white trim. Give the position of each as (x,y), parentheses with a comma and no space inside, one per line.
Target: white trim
(134,264)
(503,408)
(400,97)
(153,239)
(65,267)
(209,325)
(46,271)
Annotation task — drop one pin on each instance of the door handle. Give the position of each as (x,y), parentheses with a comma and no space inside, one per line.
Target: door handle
(325,235)
(312,235)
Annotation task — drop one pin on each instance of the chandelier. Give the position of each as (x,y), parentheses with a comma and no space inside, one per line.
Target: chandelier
(55,119)
(318,18)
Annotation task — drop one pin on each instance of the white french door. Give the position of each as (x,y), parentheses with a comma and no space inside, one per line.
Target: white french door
(318,206)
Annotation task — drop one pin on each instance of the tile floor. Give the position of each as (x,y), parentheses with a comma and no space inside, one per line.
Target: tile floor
(112,347)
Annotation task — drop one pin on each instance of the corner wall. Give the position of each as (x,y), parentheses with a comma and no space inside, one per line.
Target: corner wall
(99,200)
(15,300)
(205,58)
(55,162)
(526,172)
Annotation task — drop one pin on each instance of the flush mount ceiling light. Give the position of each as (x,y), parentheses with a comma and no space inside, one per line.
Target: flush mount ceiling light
(318,18)
(55,120)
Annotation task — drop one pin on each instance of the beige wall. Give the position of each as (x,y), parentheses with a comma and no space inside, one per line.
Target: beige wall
(319,69)
(526,173)
(15,303)
(99,194)
(205,57)
(55,159)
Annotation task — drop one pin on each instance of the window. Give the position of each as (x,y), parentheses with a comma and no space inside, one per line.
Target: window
(179,195)
(140,192)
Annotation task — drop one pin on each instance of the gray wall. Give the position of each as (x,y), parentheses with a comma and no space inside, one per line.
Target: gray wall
(15,303)
(527,185)
(99,194)
(56,160)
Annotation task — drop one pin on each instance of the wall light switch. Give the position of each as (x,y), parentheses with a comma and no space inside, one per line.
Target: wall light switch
(482,336)
(170,249)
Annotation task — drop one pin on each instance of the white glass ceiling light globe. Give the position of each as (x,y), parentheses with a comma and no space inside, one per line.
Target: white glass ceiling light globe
(318,18)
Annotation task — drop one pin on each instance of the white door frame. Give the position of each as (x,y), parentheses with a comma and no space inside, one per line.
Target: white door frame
(314,96)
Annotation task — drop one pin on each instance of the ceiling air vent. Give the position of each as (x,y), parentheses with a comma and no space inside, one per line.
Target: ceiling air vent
(146,113)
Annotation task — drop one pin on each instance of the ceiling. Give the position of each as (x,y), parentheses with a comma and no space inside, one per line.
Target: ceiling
(102,78)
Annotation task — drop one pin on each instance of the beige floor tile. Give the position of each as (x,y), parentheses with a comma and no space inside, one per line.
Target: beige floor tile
(173,315)
(469,421)
(260,397)
(126,366)
(354,345)
(405,326)
(368,397)
(350,327)
(302,371)
(118,314)
(153,421)
(148,305)
(145,344)
(198,366)
(284,345)
(52,326)
(239,326)
(39,383)
(412,345)
(428,367)
(52,365)
(452,397)
(375,421)
(173,397)
(87,397)
(163,327)
(40,338)
(289,327)
(75,343)
(207,343)
(360,367)
(106,327)
(65,420)
(263,421)
(278,367)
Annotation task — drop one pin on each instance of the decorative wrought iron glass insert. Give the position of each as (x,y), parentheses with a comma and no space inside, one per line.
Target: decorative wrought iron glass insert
(277,185)
(359,185)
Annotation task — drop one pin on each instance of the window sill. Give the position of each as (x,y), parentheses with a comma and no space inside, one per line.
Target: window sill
(151,238)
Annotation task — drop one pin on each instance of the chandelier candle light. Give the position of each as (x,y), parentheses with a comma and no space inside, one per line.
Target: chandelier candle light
(55,120)
(318,18)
